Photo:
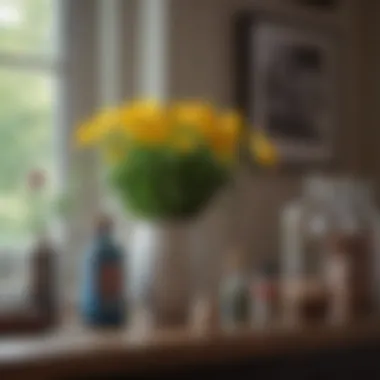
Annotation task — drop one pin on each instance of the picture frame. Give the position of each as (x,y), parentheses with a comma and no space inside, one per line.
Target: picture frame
(287,84)
(319,4)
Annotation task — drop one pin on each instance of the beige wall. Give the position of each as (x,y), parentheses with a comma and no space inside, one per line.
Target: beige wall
(370,91)
(201,65)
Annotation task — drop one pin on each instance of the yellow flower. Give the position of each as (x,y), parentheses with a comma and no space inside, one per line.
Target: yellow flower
(184,144)
(197,116)
(106,122)
(84,134)
(109,118)
(140,110)
(115,147)
(225,139)
(262,149)
(114,154)
(89,133)
(183,126)
(98,128)
(145,122)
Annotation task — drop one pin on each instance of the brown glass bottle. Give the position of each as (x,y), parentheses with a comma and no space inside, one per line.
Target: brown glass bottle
(44,297)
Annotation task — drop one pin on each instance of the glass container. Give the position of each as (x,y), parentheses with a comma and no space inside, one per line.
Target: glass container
(305,225)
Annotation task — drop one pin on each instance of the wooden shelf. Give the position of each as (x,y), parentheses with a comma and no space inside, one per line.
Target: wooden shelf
(74,351)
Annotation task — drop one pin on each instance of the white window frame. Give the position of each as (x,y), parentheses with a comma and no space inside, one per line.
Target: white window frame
(38,63)
(79,99)
(129,34)
(75,99)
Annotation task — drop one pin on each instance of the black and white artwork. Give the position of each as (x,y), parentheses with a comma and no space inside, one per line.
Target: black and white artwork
(290,88)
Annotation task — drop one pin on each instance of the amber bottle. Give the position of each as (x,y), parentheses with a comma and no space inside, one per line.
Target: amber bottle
(44,277)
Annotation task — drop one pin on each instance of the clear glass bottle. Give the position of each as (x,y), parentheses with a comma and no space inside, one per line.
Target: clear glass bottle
(234,295)
(351,251)
(305,227)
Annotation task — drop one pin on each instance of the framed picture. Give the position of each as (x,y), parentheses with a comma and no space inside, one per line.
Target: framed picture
(321,4)
(287,85)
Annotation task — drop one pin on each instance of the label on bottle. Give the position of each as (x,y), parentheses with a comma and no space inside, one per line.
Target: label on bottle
(353,254)
(110,282)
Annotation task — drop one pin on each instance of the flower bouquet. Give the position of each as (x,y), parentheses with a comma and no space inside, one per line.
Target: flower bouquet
(166,162)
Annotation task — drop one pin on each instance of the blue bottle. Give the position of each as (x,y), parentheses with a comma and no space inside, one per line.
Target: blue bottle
(103,301)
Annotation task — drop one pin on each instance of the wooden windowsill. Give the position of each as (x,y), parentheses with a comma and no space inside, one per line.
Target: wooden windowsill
(75,351)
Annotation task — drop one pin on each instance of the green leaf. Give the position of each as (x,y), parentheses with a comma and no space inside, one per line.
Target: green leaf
(160,183)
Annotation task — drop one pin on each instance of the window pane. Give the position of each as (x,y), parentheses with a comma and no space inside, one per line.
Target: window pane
(26,26)
(25,145)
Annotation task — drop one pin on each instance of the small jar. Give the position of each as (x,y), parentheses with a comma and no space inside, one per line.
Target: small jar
(265,294)
(204,318)
(234,295)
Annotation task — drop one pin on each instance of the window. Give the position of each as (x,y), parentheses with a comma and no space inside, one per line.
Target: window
(49,53)
(29,86)
(48,84)
(29,76)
